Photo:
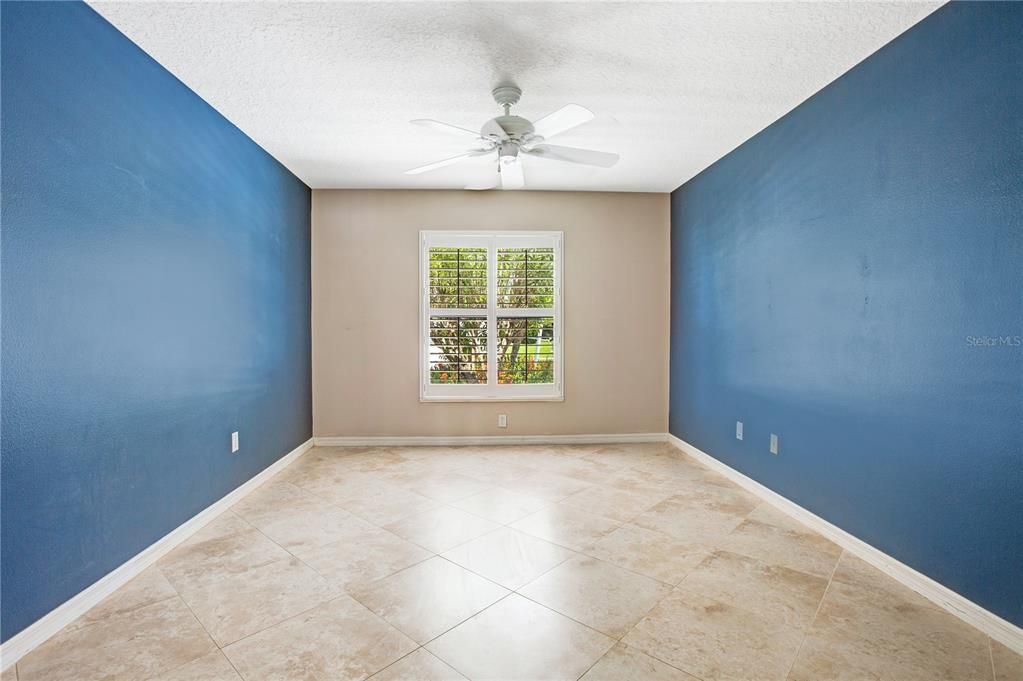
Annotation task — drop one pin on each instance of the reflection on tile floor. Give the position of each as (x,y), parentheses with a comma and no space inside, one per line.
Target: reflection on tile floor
(617,562)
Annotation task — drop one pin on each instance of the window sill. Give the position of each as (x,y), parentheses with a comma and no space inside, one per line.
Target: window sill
(489,398)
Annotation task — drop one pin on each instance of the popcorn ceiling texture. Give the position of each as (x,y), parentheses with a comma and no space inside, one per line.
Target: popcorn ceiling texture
(329,88)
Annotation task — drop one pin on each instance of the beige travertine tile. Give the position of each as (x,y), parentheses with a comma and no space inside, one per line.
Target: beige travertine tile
(537,482)
(677,465)
(9,674)
(574,450)
(508,557)
(639,480)
(339,639)
(495,471)
(617,504)
(211,667)
(823,660)
(1008,665)
(375,459)
(330,481)
(619,456)
(639,451)
(649,553)
(726,619)
(227,523)
(136,644)
(567,526)
(447,487)
(267,502)
(917,642)
(774,593)
(519,639)
(298,523)
(773,537)
(853,571)
(234,605)
(418,666)
(589,471)
(700,516)
(149,587)
(215,552)
(603,596)
(366,555)
(411,471)
(441,529)
(382,504)
(715,641)
(429,598)
(622,662)
(500,505)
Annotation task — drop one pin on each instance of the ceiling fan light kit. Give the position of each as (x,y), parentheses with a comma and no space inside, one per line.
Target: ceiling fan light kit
(512,137)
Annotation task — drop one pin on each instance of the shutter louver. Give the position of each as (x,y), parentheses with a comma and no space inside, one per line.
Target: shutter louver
(525,342)
(458,330)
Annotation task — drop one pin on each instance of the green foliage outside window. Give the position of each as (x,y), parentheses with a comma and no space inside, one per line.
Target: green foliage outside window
(525,345)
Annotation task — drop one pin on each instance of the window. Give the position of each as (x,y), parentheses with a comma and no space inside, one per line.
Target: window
(490,316)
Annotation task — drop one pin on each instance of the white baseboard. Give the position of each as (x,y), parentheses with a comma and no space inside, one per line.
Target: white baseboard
(991,624)
(49,624)
(443,440)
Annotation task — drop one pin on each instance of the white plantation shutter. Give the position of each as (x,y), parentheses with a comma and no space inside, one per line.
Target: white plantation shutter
(491,315)
(525,315)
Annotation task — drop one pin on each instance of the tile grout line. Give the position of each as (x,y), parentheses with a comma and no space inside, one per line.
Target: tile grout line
(181,598)
(341,591)
(576,553)
(270,626)
(343,470)
(391,664)
(806,632)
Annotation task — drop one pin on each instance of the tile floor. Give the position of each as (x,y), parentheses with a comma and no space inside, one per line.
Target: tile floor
(624,562)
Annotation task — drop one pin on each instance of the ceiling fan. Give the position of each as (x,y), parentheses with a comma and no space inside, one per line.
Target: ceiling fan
(513,136)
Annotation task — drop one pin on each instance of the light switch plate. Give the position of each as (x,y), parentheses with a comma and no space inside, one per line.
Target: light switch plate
(738,430)
(774,443)
(502,420)
(234,442)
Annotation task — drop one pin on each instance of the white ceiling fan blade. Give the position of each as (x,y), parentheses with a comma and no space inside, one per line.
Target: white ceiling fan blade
(587,157)
(511,175)
(446,162)
(444,127)
(565,118)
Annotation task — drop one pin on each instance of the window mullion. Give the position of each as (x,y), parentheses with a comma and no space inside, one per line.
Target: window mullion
(492,316)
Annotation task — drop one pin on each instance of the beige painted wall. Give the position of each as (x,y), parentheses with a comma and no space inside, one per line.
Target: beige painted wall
(366,311)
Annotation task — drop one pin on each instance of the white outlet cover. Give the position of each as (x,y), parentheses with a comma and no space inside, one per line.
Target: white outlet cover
(502,420)
(774,443)
(234,442)
(738,430)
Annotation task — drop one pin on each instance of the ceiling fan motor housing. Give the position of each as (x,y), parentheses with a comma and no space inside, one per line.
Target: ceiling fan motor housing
(509,151)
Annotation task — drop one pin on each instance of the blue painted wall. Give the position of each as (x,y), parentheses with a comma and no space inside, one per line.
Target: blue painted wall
(827,278)
(155,280)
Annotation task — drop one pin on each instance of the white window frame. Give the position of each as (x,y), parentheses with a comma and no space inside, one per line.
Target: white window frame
(492,391)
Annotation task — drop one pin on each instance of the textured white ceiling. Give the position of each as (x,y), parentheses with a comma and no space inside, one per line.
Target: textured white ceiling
(329,88)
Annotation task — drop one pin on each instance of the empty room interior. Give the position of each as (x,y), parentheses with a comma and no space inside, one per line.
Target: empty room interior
(511,341)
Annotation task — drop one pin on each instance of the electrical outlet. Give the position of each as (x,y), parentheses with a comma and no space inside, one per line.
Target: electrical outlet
(774,443)
(502,420)
(234,442)
(738,430)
